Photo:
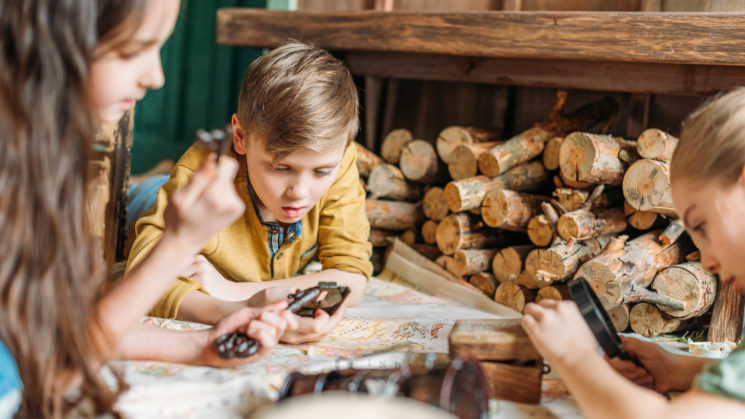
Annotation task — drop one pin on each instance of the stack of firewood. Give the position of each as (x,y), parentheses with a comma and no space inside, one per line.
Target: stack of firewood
(518,218)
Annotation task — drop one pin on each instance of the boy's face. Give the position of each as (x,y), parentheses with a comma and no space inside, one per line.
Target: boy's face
(715,219)
(289,188)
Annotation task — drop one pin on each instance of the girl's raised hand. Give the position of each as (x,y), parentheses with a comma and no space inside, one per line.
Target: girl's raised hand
(659,368)
(205,205)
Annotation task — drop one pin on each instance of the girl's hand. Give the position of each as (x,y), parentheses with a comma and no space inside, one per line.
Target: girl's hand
(659,370)
(313,329)
(265,325)
(205,205)
(559,333)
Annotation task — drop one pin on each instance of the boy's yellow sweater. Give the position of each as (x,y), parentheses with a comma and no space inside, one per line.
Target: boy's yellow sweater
(336,228)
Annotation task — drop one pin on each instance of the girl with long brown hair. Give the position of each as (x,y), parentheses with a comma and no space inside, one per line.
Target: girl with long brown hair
(68,65)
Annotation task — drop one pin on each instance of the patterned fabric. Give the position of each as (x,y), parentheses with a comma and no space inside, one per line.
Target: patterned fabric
(726,377)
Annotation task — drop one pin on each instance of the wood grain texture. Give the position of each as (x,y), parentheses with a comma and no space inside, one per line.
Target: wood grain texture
(686,38)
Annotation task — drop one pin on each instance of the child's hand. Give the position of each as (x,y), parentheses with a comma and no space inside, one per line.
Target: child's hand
(559,333)
(659,366)
(265,325)
(205,205)
(202,271)
(270,295)
(313,329)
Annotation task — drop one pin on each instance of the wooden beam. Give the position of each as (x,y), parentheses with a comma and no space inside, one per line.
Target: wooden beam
(674,79)
(683,38)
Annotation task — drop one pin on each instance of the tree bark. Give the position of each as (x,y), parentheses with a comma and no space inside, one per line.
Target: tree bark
(467,194)
(464,159)
(394,143)
(510,210)
(689,283)
(452,137)
(656,144)
(646,187)
(513,295)
(485,282)
(465,231)
(419,163)
(551,153)
(516,150)
(672,232)
(640,220)
(471,261)
(366,160)
(509,262)
(726,316)
(387,181)
(393,215)
(434,204)
(593,158)
(429,232)
(583,224)
(559,262)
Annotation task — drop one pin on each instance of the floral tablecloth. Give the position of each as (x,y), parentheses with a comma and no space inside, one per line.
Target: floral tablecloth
(390,323)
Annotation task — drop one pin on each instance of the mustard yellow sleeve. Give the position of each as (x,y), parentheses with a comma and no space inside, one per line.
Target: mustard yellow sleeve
(149,230)
(343,226)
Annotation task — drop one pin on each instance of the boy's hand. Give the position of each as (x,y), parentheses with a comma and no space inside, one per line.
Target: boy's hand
(659,366)
(202,271)
(205,205)
(559,333)
(313,329)
(265,325)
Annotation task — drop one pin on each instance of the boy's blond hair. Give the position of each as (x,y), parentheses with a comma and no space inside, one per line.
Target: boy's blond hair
(712,144)
(298,97)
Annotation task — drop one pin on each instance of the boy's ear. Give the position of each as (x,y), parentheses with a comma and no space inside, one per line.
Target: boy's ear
(239,135)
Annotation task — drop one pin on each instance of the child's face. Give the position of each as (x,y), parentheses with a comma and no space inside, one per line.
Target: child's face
(120,78)
(291,187)
(715,219)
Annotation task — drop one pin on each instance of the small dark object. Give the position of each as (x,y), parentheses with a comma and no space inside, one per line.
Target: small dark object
(597,318)
(217,140)
(238,344)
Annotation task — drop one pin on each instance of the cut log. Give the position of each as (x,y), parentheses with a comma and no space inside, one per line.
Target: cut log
(574,199)
(513,295)
(693,256)
(542,228)
(559,262)
(434,204)
(366,160)
(448,263)
(620,317)
(467,194)
(623,271)
(673,231)
(429,251)
(465,231)
(387,181)
(394,143)
(551,153)
(419,163)
(393,215)
(593,158)
(464,160)
(646,186)
(516,150)
(552,292)
(583,224)
(509,262)
(656,144)
(379,238)
(429,232)
(485,282)
(409,237)
(452,137)
(640,220)
(510,210)
(473,261)
(689,283)
(647,320)
(572,183)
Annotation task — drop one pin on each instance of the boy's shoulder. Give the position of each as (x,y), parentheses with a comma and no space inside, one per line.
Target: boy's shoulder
(193,157)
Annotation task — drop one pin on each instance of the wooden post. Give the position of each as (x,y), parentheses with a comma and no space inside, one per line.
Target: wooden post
(583,224)
(366,160)
(464,231)
(429,229)
(560,261)
(464,159)
(624,270)
(485,282)
(672,232)
(419,162)
(551,153)
(467,194)
(452,137)
(646,187)
(393,143)
(510,210)
(593,158)
(513,295)
(726,316)
(516,150)
(393,215)
(387,181)
(656,144)
(647,320)
(434,204)
(471,261)
(689,283)
(640,220)
(509,262)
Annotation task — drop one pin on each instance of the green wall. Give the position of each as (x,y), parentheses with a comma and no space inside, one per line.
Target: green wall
(202,83)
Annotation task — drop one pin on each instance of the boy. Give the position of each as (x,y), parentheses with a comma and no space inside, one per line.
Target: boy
(297,116)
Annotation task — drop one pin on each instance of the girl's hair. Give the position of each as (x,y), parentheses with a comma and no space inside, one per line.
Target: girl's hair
(712,144)
(298,96)
(51,272)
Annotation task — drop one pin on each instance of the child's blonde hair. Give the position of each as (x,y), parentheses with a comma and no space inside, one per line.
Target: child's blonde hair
(712,144)
(298,96)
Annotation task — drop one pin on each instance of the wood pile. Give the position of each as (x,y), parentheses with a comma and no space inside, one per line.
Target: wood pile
(517,218)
